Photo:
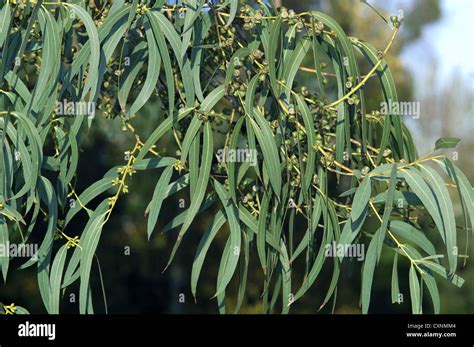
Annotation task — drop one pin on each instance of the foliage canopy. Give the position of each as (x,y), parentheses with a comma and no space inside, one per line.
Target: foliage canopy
(226,75)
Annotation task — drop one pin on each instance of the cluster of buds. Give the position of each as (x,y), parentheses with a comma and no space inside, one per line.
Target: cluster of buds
(72,242)
(142,9)
(292,18)
(251,17)
(126,170)
(318,28)
(112,200)
(250,199)
(204,117)
(238,86)
(9,309)
(227,36)
(396,22)
(327,160)
(179,166)
(353,100)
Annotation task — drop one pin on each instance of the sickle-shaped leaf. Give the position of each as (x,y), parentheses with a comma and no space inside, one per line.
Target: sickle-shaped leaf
(153,72)
(446,210)
(4,240)
(368,273)
(201,187)
(395,288)
(158,197)
(201,252)
(447,142)
(415,294)
(56,278)
(94,59)
(271,158)
(361,199)
(89,242)
(231,257)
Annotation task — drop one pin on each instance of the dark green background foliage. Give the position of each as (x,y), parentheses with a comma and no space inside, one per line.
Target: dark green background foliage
(173,85)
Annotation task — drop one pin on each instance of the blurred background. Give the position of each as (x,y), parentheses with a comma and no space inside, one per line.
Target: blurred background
(432,63)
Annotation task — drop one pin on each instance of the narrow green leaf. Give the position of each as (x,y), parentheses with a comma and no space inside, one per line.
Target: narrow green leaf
(368,273)
(401,200)
(262,231)
(201,187)
(232,174)
(446,211)
(274,40)
(243,274)
(158,197)
(415,293)
(232,11)
(443,272)
(388,210)
(310,133)
(447,142)
(89,242)
(153,72)
(56,278)
(94,59)
(232,257)
(271,158)
(317,265)
(434,292)
(361,199)
(464,189)
(165,56)
(5,18)
(137,60)
(286,279)
(395,288)
(4,239)
(203,247)
(425,194)
(412,234)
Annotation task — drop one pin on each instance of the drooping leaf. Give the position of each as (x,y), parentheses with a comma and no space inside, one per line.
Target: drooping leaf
(447,142)
(368,273)
(415,294)
(56,278)
(395,287)
(361,199)
(201,187)
(446,211)
(201,252)
(231,257)
(158,197)
(89,242)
